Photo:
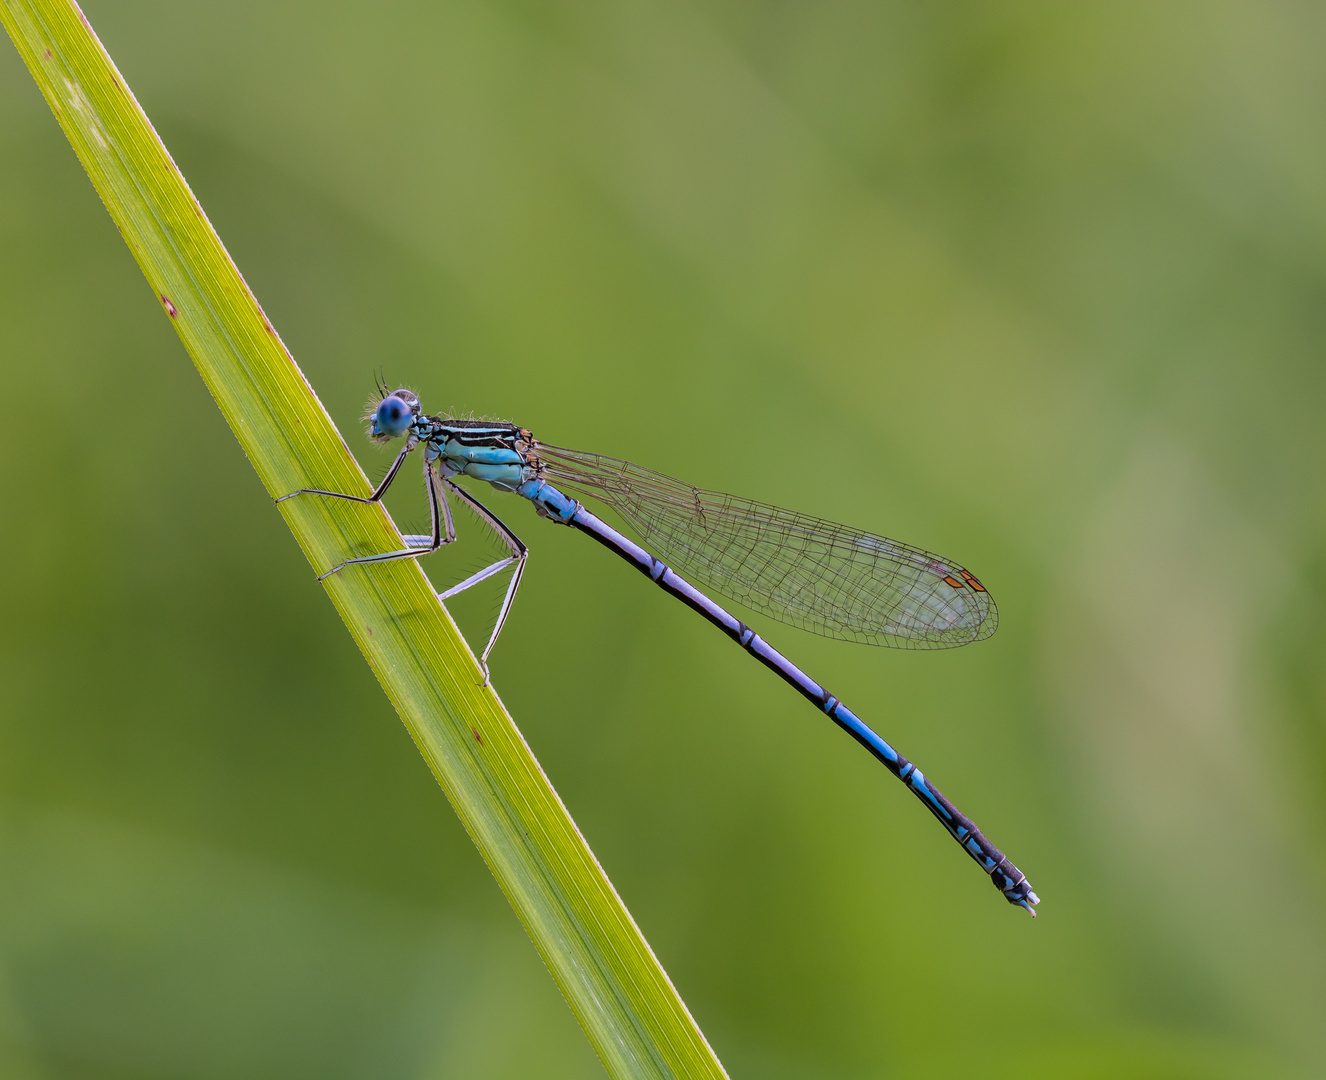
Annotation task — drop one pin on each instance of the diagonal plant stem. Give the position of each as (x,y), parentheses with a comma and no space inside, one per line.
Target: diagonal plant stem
(618,991)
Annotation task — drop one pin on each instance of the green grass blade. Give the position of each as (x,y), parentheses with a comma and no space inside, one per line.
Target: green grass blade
(621,996)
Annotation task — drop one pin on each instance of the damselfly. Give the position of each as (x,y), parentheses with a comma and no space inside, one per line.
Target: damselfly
(827,578)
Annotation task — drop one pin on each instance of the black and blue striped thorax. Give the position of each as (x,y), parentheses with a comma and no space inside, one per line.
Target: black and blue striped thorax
(494,451)
(499,453)
(503,454)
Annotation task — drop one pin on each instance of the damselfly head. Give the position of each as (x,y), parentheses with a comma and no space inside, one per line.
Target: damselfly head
(393,416)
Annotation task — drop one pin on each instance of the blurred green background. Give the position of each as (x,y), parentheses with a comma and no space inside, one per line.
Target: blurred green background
(1051,275)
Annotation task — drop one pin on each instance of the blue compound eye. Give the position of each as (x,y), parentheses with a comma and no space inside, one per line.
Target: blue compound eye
(393,417)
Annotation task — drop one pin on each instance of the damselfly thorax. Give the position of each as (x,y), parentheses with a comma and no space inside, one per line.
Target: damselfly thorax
(496,452)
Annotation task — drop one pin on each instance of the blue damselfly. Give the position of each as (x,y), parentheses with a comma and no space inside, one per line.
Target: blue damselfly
(822,577)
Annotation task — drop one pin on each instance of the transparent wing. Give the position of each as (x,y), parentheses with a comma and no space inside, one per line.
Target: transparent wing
(802,570)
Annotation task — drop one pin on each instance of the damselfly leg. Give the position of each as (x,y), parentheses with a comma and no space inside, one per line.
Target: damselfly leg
(378,492)
(443,533)
(519,553)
